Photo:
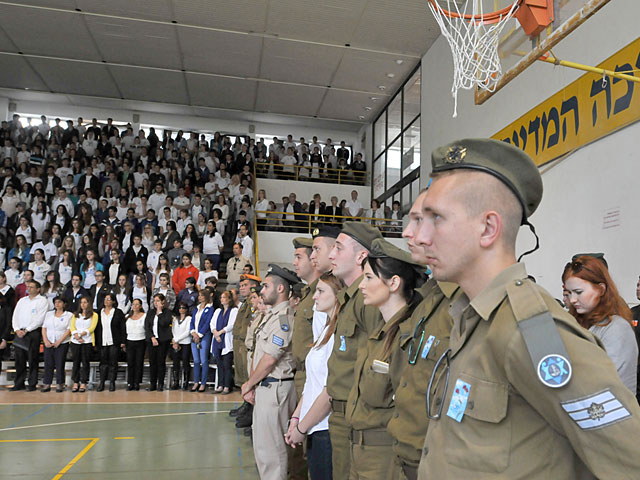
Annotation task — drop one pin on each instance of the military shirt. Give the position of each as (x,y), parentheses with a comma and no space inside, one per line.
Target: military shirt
(254,321)
(513,426)
(422,340)
(273,337)
(370,402)
(355,322)
(242,321)
(302,326)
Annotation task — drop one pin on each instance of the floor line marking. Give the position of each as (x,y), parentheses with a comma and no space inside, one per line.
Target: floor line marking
(29,416)
(47,440)
(107,420)
(75,459)
(124,438)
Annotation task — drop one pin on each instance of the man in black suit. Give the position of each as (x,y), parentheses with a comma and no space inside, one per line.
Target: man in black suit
(333,211)
(317,207)
(135,252)
(89,180)
(98,291)
(74,293)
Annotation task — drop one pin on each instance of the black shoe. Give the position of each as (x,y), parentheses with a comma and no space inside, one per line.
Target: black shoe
(59,388)
(161,387)
(15,388)
(248,432)
(112,386)
(46,388)
(151,388)
(234,412)
(244,421)
(137,387)
(185,386)
(31,388)
(130,388)
(174,386)
(100,387)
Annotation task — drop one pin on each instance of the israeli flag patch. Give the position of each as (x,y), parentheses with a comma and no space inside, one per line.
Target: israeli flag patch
(278,341)
(596,411)
(427,346)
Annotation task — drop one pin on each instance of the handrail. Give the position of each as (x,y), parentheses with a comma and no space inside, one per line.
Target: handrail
(384,224)
(341,175)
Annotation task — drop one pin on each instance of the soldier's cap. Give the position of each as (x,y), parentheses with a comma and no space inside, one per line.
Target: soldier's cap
(507,163)
(297,288)
(284,273)
(302,242)
(256,289)
(598,256)
(363,233)
(326,231)
(247,276)
(382,248)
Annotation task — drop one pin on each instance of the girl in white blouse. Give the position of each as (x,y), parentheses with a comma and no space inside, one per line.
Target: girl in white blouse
(135,345)
(56,331)
(123,294)
(181,348)
(83,325)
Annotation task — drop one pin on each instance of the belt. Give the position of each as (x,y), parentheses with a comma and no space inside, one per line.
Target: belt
(410,472)
(269,380)
(338,406)
(371,437)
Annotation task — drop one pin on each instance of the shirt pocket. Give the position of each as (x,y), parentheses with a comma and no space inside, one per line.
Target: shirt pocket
(482,439)
(376,389)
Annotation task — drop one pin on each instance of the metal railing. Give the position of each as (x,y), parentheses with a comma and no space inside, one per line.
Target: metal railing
(311,173)
(279,221)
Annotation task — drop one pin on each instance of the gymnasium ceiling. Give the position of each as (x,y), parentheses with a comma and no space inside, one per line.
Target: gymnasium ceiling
(328,59)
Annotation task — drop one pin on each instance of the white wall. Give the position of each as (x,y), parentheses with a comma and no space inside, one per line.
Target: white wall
(276,189)
(580,188)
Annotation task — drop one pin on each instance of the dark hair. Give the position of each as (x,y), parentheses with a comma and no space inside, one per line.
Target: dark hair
(90,309)
(206,294)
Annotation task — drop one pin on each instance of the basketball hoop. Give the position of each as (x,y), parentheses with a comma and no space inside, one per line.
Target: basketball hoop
(473,36)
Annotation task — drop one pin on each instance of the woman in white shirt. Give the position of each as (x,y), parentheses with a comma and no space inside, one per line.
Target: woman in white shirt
(41,220)
(140,292)
(56,331)
(223,207)
(217,219)
(52,288)
(112,339)
(148,238)
(39,267)
(262,205)
(25,230)
(123,294)
(181,348)
(314,423)
(222,344)
(136,344)
(83,326)
(212,244)
(65,267)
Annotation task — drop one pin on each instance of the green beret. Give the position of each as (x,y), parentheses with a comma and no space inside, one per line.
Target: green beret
(284,273)
(382,248)
(302,242)
(363,233)
(326,231)
(507,163)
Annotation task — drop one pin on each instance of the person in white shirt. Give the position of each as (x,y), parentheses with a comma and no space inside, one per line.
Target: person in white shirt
(136,344)
(222,344)
(208,271)
(354,207)
(56,332)
(83,326)
(288,160)
(28,317)
(311,417)
(222,178)
(39,267)
(247,243)
(14,276)
(49,249)
(181,348)
(154,256)
(181,202)
(62,199)
(212,244)
(158,198)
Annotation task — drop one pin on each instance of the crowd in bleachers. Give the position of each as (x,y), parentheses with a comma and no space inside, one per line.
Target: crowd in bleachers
(92,210)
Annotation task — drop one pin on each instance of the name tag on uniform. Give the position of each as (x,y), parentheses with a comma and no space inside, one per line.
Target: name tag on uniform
(427,346)
(278,341)
(459,399)
(343,344)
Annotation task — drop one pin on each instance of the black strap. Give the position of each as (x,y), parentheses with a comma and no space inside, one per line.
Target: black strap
(541,337)
(533,230)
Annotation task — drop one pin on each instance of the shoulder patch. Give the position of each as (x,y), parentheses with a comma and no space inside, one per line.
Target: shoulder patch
(554,371)
(284,323)
(598,410)
(278,341)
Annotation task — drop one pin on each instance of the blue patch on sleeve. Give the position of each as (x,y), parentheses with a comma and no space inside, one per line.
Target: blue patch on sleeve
(278,341)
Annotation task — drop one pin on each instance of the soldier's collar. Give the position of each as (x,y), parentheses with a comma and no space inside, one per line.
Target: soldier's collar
(280,307)
(448,288)
(487,300)
(400,316)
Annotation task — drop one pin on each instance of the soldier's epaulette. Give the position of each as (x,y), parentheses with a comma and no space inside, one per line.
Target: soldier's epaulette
(284,322)
(540,333)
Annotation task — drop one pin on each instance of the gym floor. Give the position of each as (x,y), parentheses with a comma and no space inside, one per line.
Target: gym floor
(116,435)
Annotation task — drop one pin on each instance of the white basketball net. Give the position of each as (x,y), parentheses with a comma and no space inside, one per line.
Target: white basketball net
(474,44)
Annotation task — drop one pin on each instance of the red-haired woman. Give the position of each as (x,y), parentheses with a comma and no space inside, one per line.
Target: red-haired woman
(595,302)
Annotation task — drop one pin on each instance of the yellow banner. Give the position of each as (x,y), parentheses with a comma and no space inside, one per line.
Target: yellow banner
(587,109)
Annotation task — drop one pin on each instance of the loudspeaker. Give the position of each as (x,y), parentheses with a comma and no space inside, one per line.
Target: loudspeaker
(252,129)
(13,107)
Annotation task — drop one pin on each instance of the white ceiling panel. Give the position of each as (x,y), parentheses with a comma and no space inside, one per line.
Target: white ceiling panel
(220,92)
(66,4)
(76,77)
(6,45)
(16,73)
(329,21)
(288,99)
(240,15)
(136,43)
(298,63)
(46,32)
(367,70)
(349,106)
(150,85)
(147,9)
(216,52)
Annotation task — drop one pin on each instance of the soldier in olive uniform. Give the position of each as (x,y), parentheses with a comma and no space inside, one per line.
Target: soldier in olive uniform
(270,386)
(422,340)
(245,411)
(355,323)
(530,394)
(389,283)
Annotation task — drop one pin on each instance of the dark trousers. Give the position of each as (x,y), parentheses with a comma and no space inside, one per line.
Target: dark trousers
(81,353)
(135,361)
(109,363)
(225,370)
(215,259)
(32,341)
(181,360)
(157,362)
(54,358)
(319,455)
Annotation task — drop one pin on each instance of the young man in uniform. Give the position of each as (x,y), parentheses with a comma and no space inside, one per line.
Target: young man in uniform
(270,386)
(530,393)
(355,322)
(423,338)
(244,413)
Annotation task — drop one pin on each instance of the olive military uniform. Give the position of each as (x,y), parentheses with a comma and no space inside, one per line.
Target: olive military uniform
(239,335)
(421,341)
(303,334)
(355,322)
(505,417)
(275,395)
(370,406)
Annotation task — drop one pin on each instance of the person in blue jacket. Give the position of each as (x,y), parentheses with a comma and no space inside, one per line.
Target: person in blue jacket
(201,334)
